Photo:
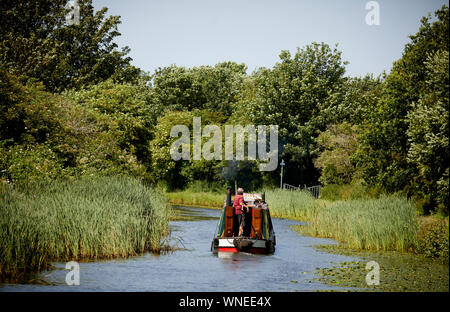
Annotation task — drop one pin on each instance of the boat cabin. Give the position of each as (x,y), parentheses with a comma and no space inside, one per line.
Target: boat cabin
(258,235)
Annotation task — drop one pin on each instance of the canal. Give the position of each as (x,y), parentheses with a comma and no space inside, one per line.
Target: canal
(193,267)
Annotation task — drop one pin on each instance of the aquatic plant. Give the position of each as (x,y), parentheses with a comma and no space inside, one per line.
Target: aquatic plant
(89,218)
(298,205)
(198,199)
(386,223)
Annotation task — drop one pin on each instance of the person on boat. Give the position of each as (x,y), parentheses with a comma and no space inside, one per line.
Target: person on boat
(258,203)
(239,204)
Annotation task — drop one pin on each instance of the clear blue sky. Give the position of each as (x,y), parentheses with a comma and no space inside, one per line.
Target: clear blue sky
(205,32)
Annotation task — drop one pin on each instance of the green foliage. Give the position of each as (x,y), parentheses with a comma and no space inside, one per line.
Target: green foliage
(298,205)
(28,114)
(206,87)
(296,95)
(202,198)
(428,132)
(36,43)
(101,130)
(433,240)
(399,271)
(337,145)
(89,218)
(388,154)
(104,117)
(19,163)
(386,223)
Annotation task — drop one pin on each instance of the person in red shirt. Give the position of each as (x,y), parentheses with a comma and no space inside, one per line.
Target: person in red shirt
(239,204)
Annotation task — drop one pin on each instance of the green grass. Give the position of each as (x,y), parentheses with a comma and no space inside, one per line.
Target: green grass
(433,238)
(283,204)
(386,223)
(298,205)
(198,199)
(90,218)
(354,190)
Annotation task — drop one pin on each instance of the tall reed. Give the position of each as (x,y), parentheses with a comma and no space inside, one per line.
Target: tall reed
(298,205)
(199,199)
(386,223)
(94,217)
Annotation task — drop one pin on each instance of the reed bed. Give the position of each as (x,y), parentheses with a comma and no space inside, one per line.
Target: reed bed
(299,205)
(282,204)
(386,223)
(199,199)
(90,218)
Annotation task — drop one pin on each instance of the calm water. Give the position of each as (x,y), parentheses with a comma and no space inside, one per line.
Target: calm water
(195,268)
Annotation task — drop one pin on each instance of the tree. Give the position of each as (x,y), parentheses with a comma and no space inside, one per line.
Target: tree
(178,173)
(428,132)
(384,144)
(297,95)
(206,87)
(36,43)
(336,147)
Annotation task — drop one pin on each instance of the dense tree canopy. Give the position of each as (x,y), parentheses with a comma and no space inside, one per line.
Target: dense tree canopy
(207,87)
(36,43)
(296,95)
(385,145)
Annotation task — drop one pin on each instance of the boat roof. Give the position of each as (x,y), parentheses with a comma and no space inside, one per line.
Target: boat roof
(251,196)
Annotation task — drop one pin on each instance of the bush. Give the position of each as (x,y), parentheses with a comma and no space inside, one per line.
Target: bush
(103,130)
(198,199)
(433,240)
(21,163)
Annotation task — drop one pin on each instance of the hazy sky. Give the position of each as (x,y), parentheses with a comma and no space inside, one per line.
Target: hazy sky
(205,32)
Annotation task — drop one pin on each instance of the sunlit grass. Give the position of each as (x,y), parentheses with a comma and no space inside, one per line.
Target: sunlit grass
(299,205)
(95,217)
(385,223)
(198,199)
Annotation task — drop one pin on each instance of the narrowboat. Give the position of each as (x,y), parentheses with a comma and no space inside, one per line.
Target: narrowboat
(258,235)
